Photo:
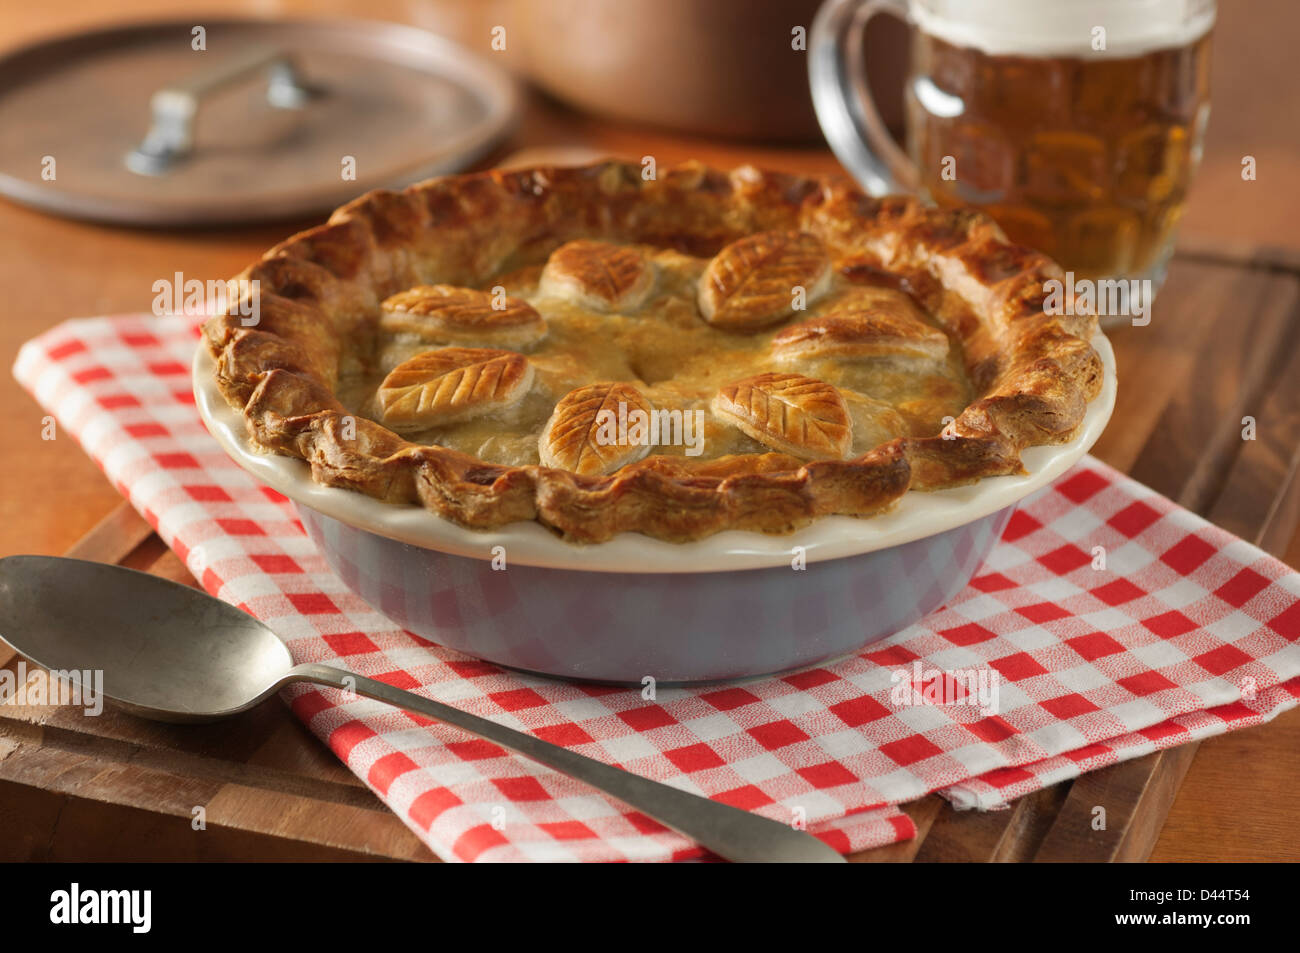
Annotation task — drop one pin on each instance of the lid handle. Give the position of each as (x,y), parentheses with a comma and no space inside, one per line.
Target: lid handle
(175,108)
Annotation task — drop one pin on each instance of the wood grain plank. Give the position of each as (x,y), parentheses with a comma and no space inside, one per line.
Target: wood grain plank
(1260,497)
(1155,362)
(307,820)
(28,817)
(1191,448)
(114,537)
(1005,836)
(171,785)
(1239,252)
(1136,796)
(169,566)
(59,828)
(72,745)
(287,745)
(1238,802)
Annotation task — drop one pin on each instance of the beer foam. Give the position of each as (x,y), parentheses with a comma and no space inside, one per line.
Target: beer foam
(1064,27)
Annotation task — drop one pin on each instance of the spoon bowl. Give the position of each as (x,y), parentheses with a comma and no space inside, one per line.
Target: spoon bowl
(166,651)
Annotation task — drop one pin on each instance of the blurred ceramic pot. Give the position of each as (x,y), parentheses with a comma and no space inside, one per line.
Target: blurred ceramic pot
(718,67)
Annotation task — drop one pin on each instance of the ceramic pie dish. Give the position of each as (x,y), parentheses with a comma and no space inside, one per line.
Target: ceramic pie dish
(443,379)
(728,606)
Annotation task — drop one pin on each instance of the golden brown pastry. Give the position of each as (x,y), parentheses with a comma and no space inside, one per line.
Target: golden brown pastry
(600,276)
(445,314)
(597,429)
(763,278)
(766,348)
(797,415)
(876,323)
(451,384)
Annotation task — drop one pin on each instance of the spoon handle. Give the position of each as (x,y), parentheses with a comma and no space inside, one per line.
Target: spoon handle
(727,831)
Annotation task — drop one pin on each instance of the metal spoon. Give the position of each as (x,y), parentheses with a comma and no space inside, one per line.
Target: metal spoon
(172,653)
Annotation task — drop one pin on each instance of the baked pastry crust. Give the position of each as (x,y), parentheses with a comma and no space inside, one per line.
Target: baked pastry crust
(600,275)
(873,324)
(321,304)
(790,413)
(571,439)
(752,282)
(450,384)
(444,314)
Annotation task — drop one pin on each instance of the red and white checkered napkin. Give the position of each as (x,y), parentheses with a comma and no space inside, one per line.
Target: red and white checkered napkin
(1187,632)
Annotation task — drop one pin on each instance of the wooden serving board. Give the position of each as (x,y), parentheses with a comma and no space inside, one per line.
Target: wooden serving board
(1224,343)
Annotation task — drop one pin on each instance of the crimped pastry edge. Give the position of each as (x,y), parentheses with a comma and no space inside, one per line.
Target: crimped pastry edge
(1035,373)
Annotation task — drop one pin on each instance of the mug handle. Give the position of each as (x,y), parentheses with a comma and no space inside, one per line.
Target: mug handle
(842,99)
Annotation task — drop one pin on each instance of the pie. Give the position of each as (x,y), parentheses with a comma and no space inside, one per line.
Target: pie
(674,356)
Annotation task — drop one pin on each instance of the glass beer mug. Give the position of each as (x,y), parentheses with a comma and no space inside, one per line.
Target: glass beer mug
(1076,124)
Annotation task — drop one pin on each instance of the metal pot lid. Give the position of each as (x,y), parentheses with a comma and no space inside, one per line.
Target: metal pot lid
(270,119)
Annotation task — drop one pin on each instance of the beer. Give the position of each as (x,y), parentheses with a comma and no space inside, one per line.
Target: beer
(1077,124)
(1086,156)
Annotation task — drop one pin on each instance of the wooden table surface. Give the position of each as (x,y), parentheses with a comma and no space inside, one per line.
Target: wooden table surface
(1224,342)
